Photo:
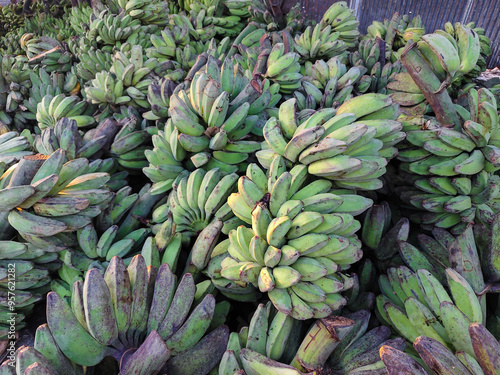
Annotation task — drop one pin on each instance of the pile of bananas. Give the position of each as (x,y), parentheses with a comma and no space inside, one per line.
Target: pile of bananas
(221,187)
(300,236)
(458,181)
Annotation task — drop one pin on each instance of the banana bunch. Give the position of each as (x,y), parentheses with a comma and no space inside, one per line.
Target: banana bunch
(448,56)
(341,19)
(322,339)
(270,341)
(405,91)
(358,351)
(457,184)
(199,208)
(32,268)
(213,125)
(265,103)
(52,25)
(337,147)
(232,289)
(11,18)
(13,147)
(321,72)
(14,86)
(270,334)
(117,178)
(159,94)
(279,16)
(57,60)
(166,159)
(196,29)
(217,49)
(9,44)
(326,84)
(186,4)
(443,250)
(416,303)
(43,84)
(108,29)
(247,59)
(436,356)
(47,195)
(273,339)
(296,244)
(134,216)
(81,44)
(367,55)
(485,46)
(181,52)
(150,12)
(165,46)
(283,67)
(106,91)
(238,7)
(204,18)
(460,32)
(250,37)
(185,58)
(93,145)
(168,323)
(141,37)
(43,358)
(35,46)
(53,108)
(131,142)
(381,76)
(95,252)
(92,62)
(132,73)
(122,202)
(396,33)
(97,139)
(65,134)
(79,18)
(320,42)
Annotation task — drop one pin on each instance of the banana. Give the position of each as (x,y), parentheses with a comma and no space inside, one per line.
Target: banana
(464,296)
(280,329)
(194,327)
(468,48)
(302,140)
(78,344)
(257,364)
(34,225)
(365,105)
(274,136)
(394,358)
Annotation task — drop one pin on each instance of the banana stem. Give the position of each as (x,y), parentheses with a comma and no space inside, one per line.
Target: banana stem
(429,84)
(321,340)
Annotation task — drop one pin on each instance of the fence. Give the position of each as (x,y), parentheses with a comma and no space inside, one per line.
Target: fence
(434,13)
